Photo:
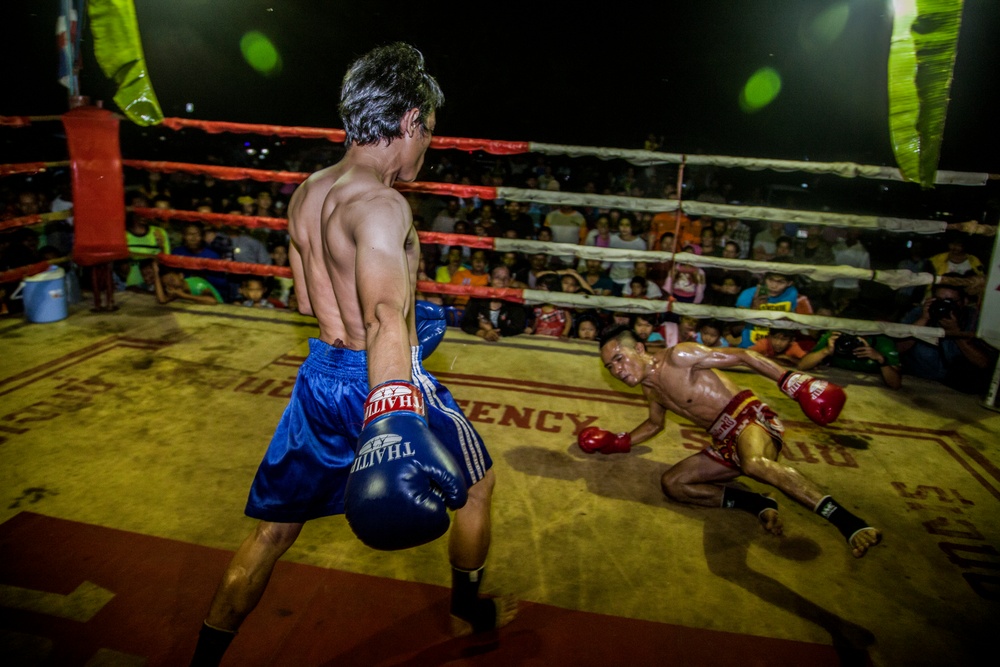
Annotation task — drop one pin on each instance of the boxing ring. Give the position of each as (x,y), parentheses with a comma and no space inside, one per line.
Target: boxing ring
(130,439)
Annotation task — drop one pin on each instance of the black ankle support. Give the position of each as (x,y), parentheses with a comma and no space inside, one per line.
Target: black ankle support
(847,523)
(466,603)
(212,645)
(464,587)
(754,503)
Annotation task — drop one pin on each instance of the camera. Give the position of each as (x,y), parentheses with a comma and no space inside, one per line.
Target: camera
(846,344)
(941,309)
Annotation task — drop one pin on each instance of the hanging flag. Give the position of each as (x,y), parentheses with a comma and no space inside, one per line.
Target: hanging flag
(119,53)
(921,64)
(67,33)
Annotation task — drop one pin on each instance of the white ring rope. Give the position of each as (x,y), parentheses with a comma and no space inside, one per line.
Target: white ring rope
(843,169)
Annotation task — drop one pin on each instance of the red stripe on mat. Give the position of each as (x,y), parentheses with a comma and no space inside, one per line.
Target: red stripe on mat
(314,616)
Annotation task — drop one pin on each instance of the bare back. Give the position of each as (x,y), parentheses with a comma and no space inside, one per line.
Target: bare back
(682,383)
(333,211)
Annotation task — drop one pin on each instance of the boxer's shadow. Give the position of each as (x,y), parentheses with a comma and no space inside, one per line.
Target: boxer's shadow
(521,645)
(727,536)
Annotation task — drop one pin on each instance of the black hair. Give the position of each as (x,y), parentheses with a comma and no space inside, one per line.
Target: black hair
(552,282)
(776,272)
(380,87)
(618,332)
(957,288)
(652,318)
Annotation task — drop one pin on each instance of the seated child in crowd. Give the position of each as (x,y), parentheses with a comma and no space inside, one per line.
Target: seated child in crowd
(780,345)
(710,334)
(644,326)
(253,291)
(171,284)
(550,320)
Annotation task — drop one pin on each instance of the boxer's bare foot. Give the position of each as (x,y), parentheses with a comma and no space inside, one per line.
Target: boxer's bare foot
(487,614)
(863,540)
(771,522)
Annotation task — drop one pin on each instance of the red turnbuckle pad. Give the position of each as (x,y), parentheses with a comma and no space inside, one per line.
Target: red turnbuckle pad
(393,396)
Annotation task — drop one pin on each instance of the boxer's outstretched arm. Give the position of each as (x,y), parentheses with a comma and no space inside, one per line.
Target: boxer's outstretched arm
(701,357)
(653,423)
(381,227)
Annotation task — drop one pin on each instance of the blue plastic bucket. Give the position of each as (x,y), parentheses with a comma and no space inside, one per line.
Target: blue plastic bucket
(44,295)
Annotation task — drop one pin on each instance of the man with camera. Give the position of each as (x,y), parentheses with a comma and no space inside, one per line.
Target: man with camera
(960,360)
(866,354)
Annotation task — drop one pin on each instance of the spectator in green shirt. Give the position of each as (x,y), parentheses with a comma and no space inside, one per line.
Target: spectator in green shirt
(171,284)
(866,354)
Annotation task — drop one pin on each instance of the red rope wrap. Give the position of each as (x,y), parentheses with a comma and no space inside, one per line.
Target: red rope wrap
(23,221)
(440,238)
(218,219)
(24,271)
(29,167)
(223,266)
(481,191)
(15,121)
(216,127)
(486,145)
(490,146)
(505,293)
(224,173)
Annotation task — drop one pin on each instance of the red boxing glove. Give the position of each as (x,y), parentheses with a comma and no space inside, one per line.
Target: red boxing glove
(822,401)
(593,439)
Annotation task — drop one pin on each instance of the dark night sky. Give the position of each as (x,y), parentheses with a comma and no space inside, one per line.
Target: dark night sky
(517,71)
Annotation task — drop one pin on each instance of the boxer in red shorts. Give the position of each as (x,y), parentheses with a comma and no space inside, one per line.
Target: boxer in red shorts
(746,433)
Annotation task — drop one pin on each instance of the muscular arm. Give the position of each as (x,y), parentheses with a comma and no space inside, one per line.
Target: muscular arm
(652,425)
(299,276)
(384,286)
(295,255)
(701,357)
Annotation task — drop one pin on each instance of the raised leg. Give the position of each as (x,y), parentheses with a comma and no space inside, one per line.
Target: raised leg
(758,458)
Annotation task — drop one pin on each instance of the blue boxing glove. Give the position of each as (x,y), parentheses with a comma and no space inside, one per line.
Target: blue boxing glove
(431,325)
(403,481)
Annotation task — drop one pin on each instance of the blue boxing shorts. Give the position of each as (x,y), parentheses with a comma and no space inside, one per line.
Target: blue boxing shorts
(304,471)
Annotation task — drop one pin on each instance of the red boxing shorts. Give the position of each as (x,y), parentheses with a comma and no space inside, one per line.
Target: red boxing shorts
(744,409)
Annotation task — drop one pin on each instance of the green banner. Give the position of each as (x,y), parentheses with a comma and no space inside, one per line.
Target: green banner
(119,53)
(921,63)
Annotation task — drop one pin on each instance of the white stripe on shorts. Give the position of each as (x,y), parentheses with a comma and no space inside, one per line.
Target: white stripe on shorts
(471,451)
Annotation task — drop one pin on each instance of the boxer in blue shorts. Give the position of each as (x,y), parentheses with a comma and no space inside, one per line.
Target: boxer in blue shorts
(304,472)
(368,431)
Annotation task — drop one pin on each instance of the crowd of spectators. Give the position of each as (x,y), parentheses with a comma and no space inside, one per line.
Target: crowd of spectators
(961,360)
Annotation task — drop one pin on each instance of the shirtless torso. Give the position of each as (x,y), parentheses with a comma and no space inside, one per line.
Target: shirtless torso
(356,253)
(683,381)
(324,251)
(354,257)
(684,378)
